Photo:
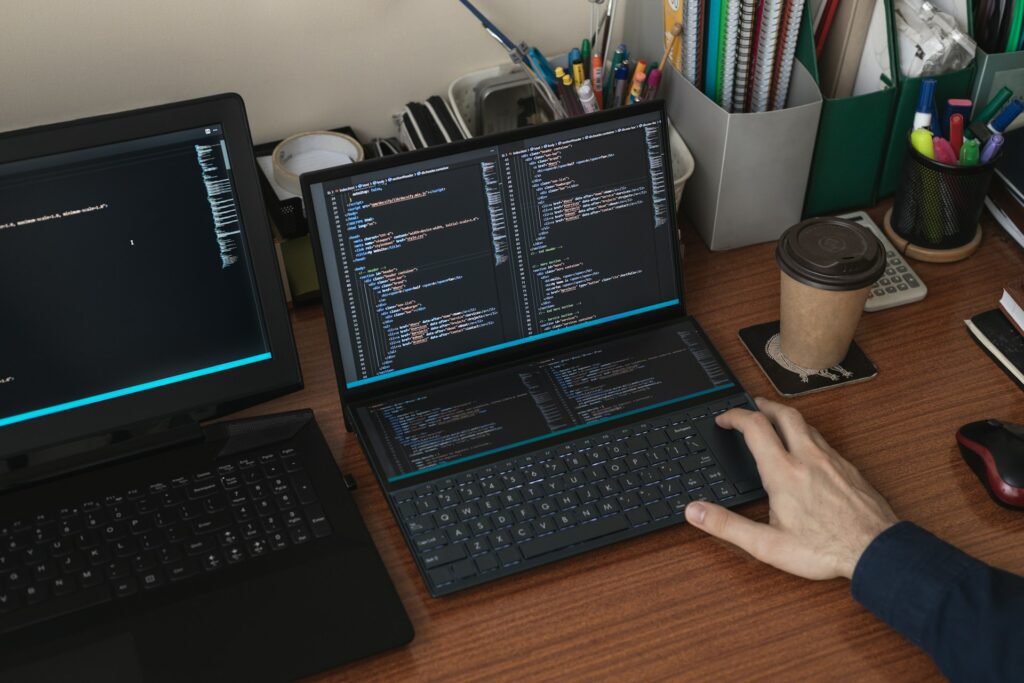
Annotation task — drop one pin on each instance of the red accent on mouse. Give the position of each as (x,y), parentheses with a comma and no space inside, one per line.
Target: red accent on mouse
(995,451)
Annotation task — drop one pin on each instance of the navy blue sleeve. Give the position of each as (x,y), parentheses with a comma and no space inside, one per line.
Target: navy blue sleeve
(968,616)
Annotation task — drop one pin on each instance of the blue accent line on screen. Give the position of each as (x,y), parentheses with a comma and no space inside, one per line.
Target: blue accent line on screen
(78,403)
(505,345)
(559,432)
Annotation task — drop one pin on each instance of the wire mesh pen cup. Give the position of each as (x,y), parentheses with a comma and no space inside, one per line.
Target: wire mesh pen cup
(935,214)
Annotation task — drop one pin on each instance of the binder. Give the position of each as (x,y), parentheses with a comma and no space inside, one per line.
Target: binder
(853,139)
(744,52)
(949,85)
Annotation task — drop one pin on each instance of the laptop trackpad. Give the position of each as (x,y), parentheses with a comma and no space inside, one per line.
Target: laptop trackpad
(108,659)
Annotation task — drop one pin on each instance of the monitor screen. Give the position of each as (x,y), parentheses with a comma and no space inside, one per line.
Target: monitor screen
(527,405)
(472,252)
(123,268)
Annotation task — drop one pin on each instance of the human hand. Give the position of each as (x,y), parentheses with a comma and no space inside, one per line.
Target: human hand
(822,513)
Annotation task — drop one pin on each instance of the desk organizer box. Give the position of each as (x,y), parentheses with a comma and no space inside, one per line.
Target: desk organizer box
(462,97)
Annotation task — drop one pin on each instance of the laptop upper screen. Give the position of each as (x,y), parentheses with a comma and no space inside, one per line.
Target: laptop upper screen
(465,254)
(123,269)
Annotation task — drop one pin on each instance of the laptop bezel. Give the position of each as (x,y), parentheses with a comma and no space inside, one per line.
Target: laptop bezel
(201,398)
(458,368)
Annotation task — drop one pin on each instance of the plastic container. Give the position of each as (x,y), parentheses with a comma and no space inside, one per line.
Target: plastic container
(462,97)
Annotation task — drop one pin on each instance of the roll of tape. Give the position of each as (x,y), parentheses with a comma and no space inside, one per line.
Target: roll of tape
(312,151)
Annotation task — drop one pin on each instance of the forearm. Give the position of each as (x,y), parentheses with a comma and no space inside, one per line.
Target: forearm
(966,615)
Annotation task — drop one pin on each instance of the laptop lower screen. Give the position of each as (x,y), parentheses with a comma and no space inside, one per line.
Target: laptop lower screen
(472,252)
(533,403)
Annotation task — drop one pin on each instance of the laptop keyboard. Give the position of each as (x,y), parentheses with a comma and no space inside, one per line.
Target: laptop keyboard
(146,538)
(520,511)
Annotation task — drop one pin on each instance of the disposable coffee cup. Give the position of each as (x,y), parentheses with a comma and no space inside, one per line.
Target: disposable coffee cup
(827,268)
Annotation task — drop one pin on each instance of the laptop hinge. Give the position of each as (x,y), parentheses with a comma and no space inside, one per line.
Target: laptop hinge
(42,464)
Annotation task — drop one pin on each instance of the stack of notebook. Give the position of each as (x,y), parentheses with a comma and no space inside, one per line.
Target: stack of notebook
(1006,193)
(1000,332)
(740,53)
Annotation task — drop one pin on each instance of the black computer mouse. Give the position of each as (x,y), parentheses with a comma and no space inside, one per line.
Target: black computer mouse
(995,451)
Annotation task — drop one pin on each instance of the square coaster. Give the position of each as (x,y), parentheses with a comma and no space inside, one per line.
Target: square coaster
(789,379)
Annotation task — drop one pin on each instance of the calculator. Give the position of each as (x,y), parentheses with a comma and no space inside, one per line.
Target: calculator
(899,283)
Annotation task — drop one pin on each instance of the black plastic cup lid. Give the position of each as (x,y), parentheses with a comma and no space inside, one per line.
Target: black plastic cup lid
(831,253)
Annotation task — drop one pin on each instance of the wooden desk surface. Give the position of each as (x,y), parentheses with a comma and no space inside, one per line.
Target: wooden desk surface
(678,604)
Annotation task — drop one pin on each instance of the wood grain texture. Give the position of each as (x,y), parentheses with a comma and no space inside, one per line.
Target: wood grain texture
(677,604)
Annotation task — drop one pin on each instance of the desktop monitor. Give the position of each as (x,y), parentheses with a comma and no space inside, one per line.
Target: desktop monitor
(138,281)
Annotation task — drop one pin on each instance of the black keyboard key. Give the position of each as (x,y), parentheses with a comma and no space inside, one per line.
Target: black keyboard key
(10,600)
(206,488)
(257,547)
(445,555)
(234,554)
(463,569)
(609,487)
(117,569)
(703,493)
(723,490)
(299,534)
(87,578)
(318,523)
(446,517)
(486,563)
(546,506)
(566,519)
(545,525)
(522,532)
(125,587)
(615,467)
(678,503)
(36,594)
(502,519)
(490,504)
(198,546)
(62,585)
(608,506)
(580,534)
(169,554)
(459,532)
(181,570)
(588,513)
(429,540)
(638,516)
(71,563)
(426,504)
(629,500)
(659,509)
(713,475)
(211,523)
(447,498)
(477,546)
(152,579)
(277,540)
(509,556)
(271,524)
(636,444)
(657,437)
(421,523)
(649,494)
(500,539)
(143,562)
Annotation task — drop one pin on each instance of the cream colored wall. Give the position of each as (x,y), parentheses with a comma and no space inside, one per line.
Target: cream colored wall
(299,64)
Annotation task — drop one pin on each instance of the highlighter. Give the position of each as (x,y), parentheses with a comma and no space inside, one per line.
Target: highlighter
(1002,120)
(993,106)
(597,79)
(921,140)
(925,104)
(969,153)
(944,151)
(992,148)
(956,132)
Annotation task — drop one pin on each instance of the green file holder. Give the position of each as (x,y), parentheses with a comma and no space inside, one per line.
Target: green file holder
(995,71)
(853,138)
(949,85)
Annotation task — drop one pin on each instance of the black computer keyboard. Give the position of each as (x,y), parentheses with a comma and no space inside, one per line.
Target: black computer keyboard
(532,509)
(146,538)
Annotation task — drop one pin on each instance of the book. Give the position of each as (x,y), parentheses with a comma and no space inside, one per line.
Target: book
(1001,341)
(1010,304)
(1006,208)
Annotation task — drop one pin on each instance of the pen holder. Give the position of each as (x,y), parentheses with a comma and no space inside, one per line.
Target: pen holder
(934,216)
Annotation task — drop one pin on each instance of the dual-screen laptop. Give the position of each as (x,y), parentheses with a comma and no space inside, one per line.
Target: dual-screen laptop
(512,347)
(507,321)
